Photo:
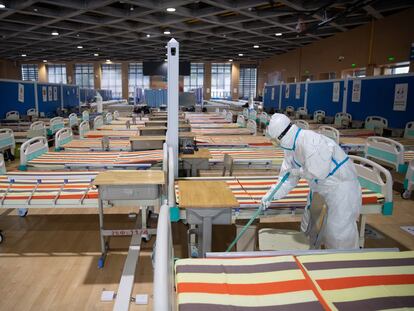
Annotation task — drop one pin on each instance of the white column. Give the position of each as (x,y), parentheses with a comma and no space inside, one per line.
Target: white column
(172,77)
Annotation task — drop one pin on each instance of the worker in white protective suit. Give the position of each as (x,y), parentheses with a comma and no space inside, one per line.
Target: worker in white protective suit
(329,172)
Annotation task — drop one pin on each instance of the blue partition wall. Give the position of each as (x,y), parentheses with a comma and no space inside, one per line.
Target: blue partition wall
(155,98)
(292,100)
(51,104)
(320,97)
(377,99)
(87,95)
(268,103)
(70,96)
(9,97)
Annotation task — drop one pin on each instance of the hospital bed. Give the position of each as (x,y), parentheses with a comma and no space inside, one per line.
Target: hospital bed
(112,134)
(302,124)
(408,181)
(236,141)
(290,111)
(343,119)
(301,112)
(319,116)
(37,128)
(377,124)
(7,141)
(251,128)
(264,120)
(34,154)
(55,124)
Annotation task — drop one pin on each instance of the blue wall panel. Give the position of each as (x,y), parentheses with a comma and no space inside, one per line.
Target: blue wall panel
(50,106)
(87,95)
(9,98)
(291,100)
(268,102)
(70,96)
(377,99)
(320,97)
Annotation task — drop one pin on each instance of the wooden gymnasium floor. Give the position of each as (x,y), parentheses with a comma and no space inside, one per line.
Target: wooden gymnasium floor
(48,260)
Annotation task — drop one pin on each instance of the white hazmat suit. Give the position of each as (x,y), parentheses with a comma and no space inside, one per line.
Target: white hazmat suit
(329,172)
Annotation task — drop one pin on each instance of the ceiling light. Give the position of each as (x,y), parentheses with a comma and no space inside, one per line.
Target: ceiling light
(131,8)
(278,34)
(95,54)
(80,47)
(148,35)
(165,60)
(230,60)
(170,9)
(35,10)
(241,54)
(108,60)
(24,55)
(167,32)
(55,33)
(2,6)
(255,46)
(45,61)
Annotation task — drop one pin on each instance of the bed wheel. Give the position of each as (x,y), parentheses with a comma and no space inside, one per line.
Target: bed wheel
(23,212)
(1,237)
(406,194)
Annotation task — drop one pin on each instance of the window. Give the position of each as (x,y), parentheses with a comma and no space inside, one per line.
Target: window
(30,72)
(84,75)
(196,78)
(56,73)
(247,81)
(397,69)
(136,79)
(112,79)
(220,80)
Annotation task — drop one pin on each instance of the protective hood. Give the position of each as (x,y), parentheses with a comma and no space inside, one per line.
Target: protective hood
(277,125)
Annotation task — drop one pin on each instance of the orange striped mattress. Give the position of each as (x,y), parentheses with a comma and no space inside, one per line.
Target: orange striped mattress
(265,284)
(249,191)
(214,125)
(343,281)
(115,134)
(59,159)
(271,155)
(221,131)
(363,281)
(48,189)
(92,143)
(233,140)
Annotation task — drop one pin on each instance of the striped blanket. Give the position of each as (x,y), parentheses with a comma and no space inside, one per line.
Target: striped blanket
(363,281)
(92,143)
(114,134)
(273,283)
(347,281)
(221,131)
(214,125)
(233,140)
(249,190)
(272,155)
(59,159)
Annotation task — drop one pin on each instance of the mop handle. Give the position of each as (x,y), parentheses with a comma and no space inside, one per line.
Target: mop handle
(257,213)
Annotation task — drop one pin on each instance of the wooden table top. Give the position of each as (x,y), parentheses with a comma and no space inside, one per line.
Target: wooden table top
(200,154)
(151,128)
(125,177)
(206,194)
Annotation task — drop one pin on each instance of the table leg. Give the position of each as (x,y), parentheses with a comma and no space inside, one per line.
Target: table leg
(206,242)
(102,237)
(362,223)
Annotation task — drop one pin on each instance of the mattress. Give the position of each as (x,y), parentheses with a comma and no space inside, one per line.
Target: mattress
(249,190)
(60,159)
(92,143)
(221,131)
(48,189)
(408,156)
(363,281)
(214,125)
(356,132)
(122,122)
(120,127)
(272,283)
(233,140)
(114,134)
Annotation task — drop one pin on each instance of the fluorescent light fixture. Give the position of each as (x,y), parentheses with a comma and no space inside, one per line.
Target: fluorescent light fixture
(95,54)
(148,35)
(230,60)
(45,61)
(55,33)
(24,55)
(108,60)
(278,34)
(2,6)
(255,46)
(165,60)
(170,9)
(241,54)
(167,32)
(80,47)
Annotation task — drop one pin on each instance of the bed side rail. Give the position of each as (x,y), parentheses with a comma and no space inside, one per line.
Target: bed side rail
(343,119)
(62,137)
(85,115)
(31,112)
(55,125)
(252,126)
(318,116)
(108,118)
(116,115)
(83,129)
(36,129)
(376,178)
(330,132)
(376,123)
(73,120)
(246,113)
(229,116)
(32,149)
(253,115)
(386,150)
(241,121)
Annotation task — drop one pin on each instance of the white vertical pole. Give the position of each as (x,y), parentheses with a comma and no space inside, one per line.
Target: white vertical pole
(172,77)
(345,96)
(36,99)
